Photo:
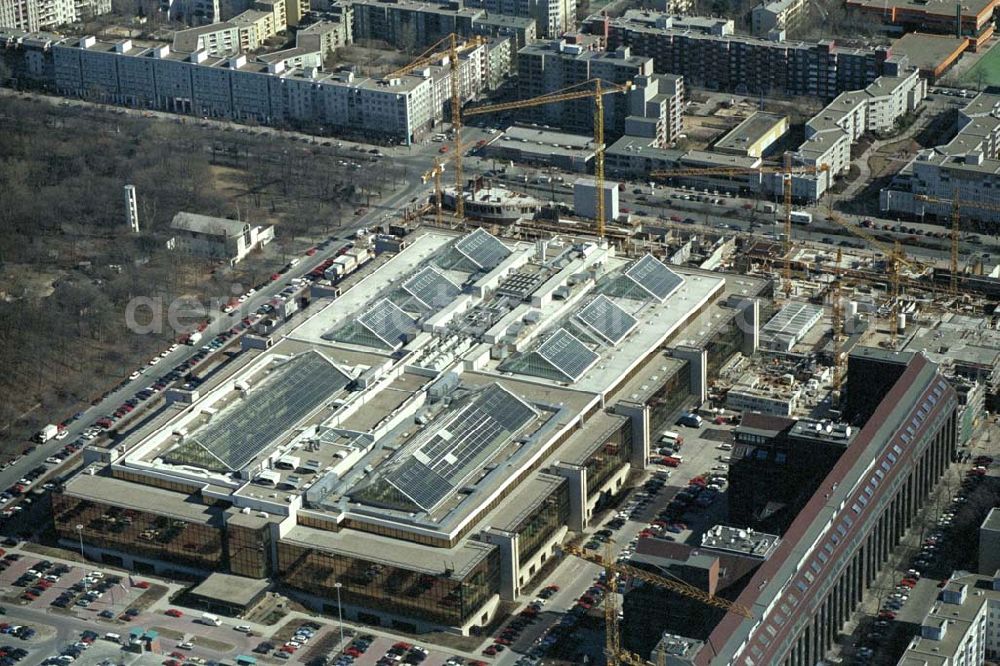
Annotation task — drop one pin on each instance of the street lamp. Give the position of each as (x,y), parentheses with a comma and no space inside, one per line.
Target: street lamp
(79,533)
(340,615)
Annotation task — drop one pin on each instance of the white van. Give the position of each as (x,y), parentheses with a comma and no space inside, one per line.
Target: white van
(113,637)
(725,447)
(211,620)
(669,437)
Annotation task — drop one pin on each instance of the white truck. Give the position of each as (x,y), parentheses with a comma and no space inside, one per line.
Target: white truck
(801,217)
(46,433)
(193,338)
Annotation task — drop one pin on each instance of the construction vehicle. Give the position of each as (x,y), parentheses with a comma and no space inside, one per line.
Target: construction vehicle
(599,90)
(786,171)
(614,652)
(429,57)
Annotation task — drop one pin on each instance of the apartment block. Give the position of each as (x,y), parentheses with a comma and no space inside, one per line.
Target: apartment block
(521,30)
(655,108)
(651,109)
(245,32)
(707,54)
(324,36)
(552,17)
(278,88)
(831,133)
(192,12)
(219,40)
(35,15)
(408,24)
(776,16)
(967,167)
(962,627)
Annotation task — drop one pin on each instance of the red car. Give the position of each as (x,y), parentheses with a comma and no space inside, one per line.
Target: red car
(171,662)
(490,651)
(173,612)
(402,645)
(310,252)
(886,615)
(178,655)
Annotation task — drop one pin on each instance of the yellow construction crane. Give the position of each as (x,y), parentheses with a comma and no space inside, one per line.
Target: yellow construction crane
(429,57)
(597,93)
(837,321)
(787,170)
(896,258)
(956,228)
(434,173)
(612,570)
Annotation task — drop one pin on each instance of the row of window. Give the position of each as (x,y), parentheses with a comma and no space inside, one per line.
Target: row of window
(808,576)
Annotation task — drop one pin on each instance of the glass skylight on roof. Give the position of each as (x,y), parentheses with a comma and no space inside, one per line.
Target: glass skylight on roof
(432,289)
(387,322)
(461,445)
(567,354)
(244,428)
(482,249)
(650,274)
(607,320)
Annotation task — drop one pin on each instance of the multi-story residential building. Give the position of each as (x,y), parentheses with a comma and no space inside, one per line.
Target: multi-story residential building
(326,35)
(829,137)
(296,10)
(521,30)
(972,20)
(408,24)
(656,108)
(552,17)
(831,133)
(776,16)
(966,167)
(245,32)
(219,40)
(651,109)
(706,53)
(278,88)
(673,7)
(962,627)
(255,27)
(35,15)
(192,12)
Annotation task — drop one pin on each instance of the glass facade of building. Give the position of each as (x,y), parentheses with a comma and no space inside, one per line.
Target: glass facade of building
(139,533)
(724,343)
(664,402)
(395,590)
(546,519)
(249,551)
(609,457)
